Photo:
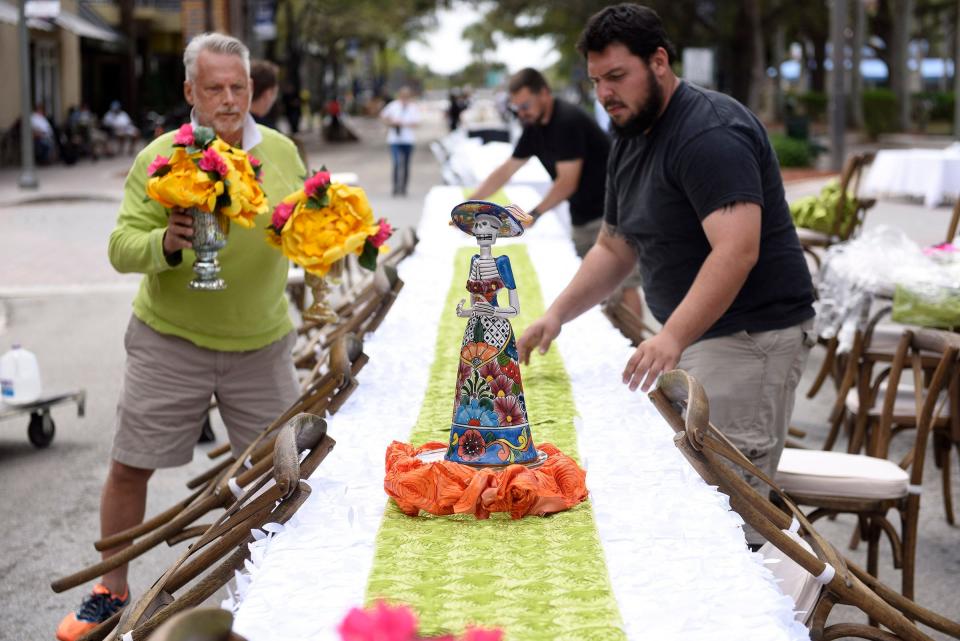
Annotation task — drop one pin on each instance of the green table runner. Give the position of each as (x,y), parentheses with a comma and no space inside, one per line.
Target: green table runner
(537,578)
(499,197)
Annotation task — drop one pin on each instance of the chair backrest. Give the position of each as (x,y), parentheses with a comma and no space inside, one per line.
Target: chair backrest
(844,227)
(682,401)
(954,221)
(930,357)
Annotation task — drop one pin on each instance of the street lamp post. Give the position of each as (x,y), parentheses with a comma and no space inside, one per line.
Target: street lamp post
(28,176)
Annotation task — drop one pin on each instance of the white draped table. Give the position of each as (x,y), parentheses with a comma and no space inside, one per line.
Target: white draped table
(675,553)
(930,174)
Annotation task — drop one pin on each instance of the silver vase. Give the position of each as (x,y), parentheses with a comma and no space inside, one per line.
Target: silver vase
(209,237)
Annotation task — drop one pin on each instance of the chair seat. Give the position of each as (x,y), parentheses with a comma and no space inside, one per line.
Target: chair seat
(792,579)
(837,474)
(905,406)
(811,237)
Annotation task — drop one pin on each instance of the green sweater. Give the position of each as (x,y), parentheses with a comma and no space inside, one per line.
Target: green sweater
(252,311)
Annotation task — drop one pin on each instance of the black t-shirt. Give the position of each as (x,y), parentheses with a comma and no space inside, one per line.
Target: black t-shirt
(705,151)
(571,135)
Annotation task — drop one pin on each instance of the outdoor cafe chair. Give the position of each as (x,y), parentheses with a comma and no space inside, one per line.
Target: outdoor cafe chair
(810,569)
(870,486)
(844,227)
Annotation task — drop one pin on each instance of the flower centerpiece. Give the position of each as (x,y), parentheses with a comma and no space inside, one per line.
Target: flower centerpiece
(320,224)
(213,182)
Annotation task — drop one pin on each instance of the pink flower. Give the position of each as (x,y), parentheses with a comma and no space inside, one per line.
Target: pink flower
(212,161)
(316,182)
(489,371)
(254,162)
(158,162)
(381,236)
(280,215)
(480,634)
(184,135)
(508,411)
(501,386)
(382,623)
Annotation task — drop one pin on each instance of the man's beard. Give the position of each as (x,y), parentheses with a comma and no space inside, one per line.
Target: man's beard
(647,115)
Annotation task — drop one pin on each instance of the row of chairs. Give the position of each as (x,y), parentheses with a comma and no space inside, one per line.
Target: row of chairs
(810,569)
(265,484)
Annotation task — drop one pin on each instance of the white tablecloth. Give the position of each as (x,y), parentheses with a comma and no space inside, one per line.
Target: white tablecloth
(933,175)
(675,553)
(472,161)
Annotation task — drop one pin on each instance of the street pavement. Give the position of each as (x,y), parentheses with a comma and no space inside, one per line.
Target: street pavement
(60,298)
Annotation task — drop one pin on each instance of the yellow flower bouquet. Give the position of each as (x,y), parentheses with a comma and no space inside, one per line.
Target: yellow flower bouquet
(206,173)
(319,225)
(215,183)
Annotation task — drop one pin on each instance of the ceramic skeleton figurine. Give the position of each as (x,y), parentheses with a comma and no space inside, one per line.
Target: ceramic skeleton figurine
(489,425)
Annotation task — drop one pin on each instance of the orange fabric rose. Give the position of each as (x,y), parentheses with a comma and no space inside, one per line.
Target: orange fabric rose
(444,487)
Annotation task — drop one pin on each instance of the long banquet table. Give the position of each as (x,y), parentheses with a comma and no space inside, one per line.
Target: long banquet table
(676,564)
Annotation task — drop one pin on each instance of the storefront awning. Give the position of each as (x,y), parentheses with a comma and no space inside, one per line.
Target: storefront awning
(84,28)
(10,14)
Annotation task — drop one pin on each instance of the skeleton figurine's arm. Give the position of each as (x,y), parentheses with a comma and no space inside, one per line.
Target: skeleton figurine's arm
(511,310)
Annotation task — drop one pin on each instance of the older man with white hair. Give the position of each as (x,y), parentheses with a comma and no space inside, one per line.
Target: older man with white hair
(185,346)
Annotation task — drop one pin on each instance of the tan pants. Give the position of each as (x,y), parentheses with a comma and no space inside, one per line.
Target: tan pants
(751,381)
(167,386)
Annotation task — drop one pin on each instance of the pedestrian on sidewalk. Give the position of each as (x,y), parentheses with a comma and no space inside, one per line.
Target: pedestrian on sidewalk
(401,116)
(184,346)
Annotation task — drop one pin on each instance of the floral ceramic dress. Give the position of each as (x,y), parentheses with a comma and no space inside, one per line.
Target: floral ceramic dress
(490,425)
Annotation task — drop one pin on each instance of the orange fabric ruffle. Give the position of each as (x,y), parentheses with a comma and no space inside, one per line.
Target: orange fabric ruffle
(445,487)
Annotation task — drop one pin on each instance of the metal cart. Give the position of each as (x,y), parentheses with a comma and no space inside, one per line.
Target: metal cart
(41,428)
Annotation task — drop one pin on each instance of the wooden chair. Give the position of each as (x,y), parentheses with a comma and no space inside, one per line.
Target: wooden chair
(199,624)
(626,320)
(871,486)
(219,487)
(683,403)
(844,227)
(270,491)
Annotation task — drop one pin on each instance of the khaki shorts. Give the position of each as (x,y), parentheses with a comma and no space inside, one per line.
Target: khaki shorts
(584,236)
(167,386)
(751,381)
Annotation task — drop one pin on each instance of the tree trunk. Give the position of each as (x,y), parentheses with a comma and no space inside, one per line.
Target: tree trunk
(838,111)
(856,78)
(758,57)
(293,47)
(818,75)
(956,76)
(779,56)
(128,27)
(899,54)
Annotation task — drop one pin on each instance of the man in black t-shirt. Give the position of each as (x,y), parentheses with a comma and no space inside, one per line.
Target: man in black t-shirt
(573,149)
(694,194)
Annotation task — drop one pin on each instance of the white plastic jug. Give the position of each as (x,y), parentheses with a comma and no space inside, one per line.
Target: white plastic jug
(19,377)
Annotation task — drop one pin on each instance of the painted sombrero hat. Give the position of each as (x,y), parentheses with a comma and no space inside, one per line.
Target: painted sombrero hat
(512,217)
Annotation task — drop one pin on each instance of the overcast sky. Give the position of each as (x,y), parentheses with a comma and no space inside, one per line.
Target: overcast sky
(446,51)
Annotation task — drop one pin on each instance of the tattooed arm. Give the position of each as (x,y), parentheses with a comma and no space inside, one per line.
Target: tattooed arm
(734,235)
